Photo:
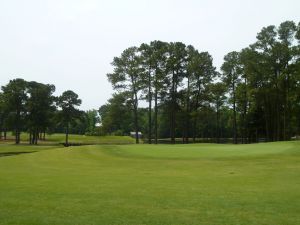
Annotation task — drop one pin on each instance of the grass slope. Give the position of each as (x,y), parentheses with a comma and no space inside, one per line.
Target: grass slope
(143,184)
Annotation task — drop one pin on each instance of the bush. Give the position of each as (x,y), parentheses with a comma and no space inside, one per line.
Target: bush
(118,133)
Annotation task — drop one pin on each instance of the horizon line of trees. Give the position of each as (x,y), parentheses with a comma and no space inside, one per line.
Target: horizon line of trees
(29,106)
(256,95)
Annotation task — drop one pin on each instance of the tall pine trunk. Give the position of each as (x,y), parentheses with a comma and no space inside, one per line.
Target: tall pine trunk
(218,124)
(149,110)
(195,121)
(245,132)
(17,129)
(67,135)
(234,115)
(136,127)
(30,137)
(173,116)
(36,136)
(155,116)
(187,122)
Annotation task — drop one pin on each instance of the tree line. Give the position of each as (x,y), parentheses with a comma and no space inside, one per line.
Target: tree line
(29,106)
(255,95)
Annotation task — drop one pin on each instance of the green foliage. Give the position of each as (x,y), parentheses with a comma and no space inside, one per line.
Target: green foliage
(127,78)
(255,97)
(31,107)
(40,108)
(159,75)
(116,115)
(262,89)
(91,118)
(68,102)
(14,98)
(269,67)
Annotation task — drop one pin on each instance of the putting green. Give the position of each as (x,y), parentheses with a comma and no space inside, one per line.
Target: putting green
(148,184)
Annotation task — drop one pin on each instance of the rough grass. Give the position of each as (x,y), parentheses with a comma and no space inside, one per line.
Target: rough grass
(147,184)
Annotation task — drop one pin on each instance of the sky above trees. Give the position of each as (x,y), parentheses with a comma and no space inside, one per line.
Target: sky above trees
(71,43)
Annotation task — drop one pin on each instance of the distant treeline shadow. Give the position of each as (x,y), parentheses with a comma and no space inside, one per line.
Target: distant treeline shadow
(3,154)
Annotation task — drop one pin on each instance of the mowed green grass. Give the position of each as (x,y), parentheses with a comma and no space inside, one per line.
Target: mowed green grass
(83,139)
(147,184)
(75,138)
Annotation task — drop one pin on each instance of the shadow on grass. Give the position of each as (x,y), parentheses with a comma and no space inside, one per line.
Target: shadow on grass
(4,154)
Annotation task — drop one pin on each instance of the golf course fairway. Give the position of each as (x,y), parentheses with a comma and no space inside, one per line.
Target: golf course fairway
(150,184)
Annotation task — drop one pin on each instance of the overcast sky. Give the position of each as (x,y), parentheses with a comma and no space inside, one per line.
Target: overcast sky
(71,43)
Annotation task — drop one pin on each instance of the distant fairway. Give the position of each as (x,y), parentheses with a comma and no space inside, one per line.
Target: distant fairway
(75,138)
(148,184)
